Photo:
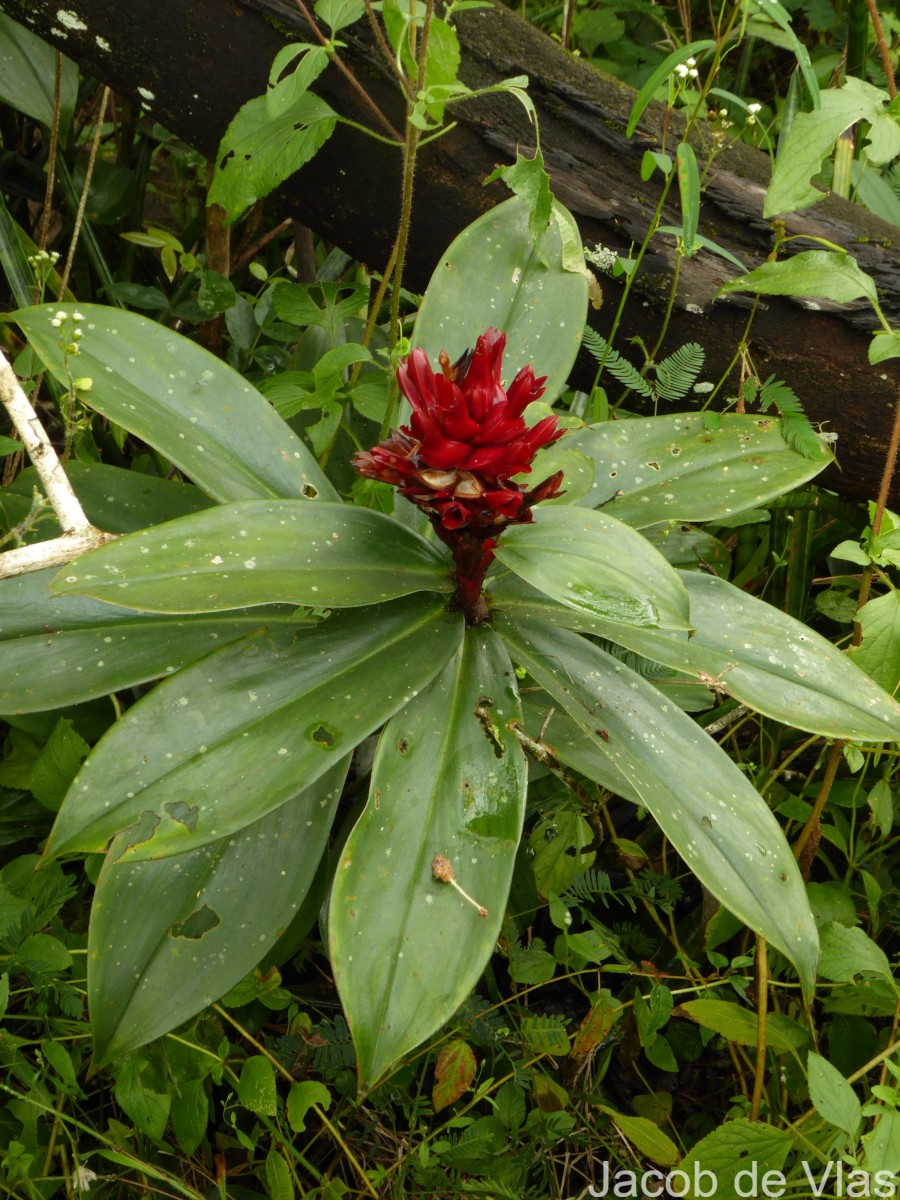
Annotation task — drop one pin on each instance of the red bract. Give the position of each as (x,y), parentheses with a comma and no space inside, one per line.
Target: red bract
(464,442)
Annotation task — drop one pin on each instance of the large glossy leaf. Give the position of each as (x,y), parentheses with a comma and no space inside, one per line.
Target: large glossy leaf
(716,821)
(60,650)
(406,948)
(598,565)
(27,73)
(550,724)
(179,398)
(261,552)
(492,274)
(169,937)
(674,468)
(231,738)
(749,649)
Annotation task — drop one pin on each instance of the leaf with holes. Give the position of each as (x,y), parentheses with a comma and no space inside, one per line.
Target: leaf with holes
(180,399)
(674,468)
(229,739)
(447,797)
(319,554)
(716,821)
(170,936)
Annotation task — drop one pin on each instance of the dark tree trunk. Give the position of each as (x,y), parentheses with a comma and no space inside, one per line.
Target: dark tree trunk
(195,63)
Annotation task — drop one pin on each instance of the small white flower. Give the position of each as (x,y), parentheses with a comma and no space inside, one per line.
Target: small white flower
(84,1177)
(753,108)
(681,71)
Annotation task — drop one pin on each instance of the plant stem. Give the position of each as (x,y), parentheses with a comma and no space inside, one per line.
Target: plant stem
(82,203)
(762,1015)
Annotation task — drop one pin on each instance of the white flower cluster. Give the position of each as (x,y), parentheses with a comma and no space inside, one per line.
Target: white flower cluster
(752,110)
(687,69)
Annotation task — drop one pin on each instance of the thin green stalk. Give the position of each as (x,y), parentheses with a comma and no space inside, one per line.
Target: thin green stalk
(762,1016)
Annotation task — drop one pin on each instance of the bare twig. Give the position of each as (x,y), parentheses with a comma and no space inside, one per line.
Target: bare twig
(78,534)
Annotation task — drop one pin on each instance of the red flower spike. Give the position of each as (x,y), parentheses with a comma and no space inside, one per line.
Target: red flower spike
(456,458)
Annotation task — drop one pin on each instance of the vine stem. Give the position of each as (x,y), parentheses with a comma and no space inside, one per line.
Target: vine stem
(762,1017)
(78,534)
(882,47)
(82,203)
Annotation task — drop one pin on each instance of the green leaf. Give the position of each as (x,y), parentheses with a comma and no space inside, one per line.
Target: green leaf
(848,954)
(764,658)
(279,1183)
(183,927)
(301,1098)
(659,75)
(261,149)
(338,14)
(647,1137)
(57,764)
(528,179)
(231,738)
(879,652)
(832,274)
(189,1114)
(563,848)
(653,469)
(148,1109)
(180,399)
(731,1162)
(811,138)
(27,74)
(449,780)
(597,565)
(494,275)
(60,650)
(884,346)
(689,189)
(716,821)
(442,61)
(453,1073)
(256,1086)
(260,552)
(741,1025)
(832,1096)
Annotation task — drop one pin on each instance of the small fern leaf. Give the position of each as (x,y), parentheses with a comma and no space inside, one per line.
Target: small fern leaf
(677,374)
(795,426)
(620,368)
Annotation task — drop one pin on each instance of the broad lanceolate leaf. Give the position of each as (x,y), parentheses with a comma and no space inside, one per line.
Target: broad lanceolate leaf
(449,780)
(60,650)
(261,552)
(169,937)
(179,398)
(493,275)
(831,274)
(27,70)
(598,565)
(655,469)
(758,654)
(231,738)
(716,821)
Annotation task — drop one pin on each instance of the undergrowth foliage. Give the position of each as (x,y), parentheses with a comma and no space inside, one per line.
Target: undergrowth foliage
(398,802)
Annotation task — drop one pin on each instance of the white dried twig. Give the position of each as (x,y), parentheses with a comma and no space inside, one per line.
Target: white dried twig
(78,534)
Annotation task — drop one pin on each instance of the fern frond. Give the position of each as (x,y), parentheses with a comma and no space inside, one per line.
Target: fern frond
(620,368)
(795,425)
(677,374)
(546,1034)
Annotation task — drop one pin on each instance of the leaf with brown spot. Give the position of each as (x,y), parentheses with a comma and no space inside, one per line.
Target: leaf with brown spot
(596,1025)
(453,1073)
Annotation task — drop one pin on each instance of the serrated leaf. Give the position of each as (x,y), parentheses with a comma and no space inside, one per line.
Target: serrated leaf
(57,764)
(733,1159)
(230,739)
(598,565)
(878,654)
(848,954)
(148,1109)
(654,469)
(338,14)
(453,1073)
(449,781)
(260,150)
(180,399)
(260,552)
(182,927)
(717,822)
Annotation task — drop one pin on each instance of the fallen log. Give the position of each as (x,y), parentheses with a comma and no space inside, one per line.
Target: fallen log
(193,65)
